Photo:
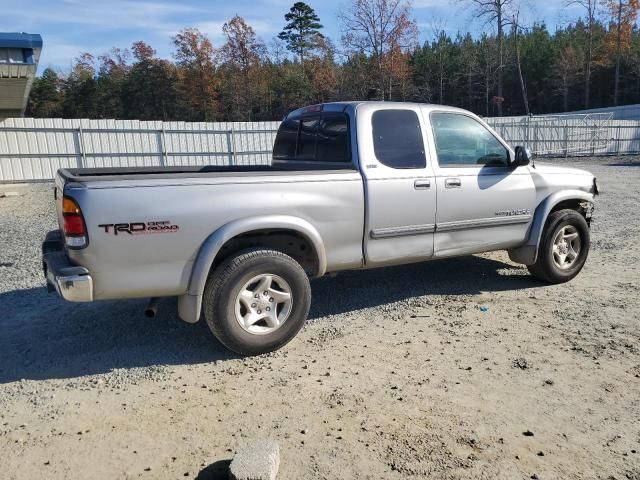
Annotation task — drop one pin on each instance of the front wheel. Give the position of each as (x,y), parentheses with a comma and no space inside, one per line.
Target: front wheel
(256,301)
(563,248)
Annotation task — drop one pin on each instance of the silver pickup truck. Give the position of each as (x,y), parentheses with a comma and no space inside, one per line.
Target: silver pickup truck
(352,185)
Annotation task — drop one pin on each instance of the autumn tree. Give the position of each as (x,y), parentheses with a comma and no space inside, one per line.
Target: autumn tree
(579,63)
(113,68)
(322,71)
(151,88)
(623,18)
(382,29)
(80,89)
(241,55)
(302,32)
(195,58)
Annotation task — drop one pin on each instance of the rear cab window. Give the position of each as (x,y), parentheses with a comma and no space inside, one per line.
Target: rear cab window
(320,137)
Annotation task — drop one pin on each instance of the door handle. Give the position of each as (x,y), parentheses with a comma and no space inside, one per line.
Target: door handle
(422,183)
(452,183)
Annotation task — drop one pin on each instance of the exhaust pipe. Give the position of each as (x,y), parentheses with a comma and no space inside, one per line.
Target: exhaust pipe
(152,307)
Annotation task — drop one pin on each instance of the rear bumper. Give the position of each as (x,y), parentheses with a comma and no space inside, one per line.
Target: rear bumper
(71,282)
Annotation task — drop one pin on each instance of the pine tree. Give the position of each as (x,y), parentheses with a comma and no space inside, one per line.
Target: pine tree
(303,30)
(46,95)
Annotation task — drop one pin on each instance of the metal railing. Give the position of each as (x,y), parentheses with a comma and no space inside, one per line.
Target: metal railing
(571,135)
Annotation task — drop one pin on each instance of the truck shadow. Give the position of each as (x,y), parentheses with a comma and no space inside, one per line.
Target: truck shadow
(469,275)
(44,337)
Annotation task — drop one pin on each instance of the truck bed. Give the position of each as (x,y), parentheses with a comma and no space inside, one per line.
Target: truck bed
(86,175)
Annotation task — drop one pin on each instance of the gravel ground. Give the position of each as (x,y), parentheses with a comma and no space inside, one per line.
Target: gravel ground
(399,374)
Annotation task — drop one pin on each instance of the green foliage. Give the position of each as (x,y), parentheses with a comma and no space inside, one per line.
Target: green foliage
(241,81)
(46,96)
(302,31)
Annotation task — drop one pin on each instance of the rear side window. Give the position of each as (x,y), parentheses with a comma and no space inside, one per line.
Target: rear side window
(307,140)
(333,139)
(397,139)
(286,140)
(320,138)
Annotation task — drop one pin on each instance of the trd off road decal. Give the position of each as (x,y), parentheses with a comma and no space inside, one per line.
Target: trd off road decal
(138,228)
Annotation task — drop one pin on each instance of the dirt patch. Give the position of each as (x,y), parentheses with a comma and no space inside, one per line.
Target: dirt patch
(434,370)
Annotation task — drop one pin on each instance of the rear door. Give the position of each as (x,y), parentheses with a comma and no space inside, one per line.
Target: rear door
(483,203)
(399,184)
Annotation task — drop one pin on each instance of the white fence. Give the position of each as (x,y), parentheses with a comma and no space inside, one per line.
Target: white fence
(33,149)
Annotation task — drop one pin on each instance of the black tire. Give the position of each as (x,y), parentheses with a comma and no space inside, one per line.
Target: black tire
(545,267)
(224,285)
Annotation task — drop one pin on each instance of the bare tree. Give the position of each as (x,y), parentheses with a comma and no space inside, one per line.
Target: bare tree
(590,8)
(567,70)
(469,59)
(487,62)
(515,27)
(496,11)
(382,29)
(440,44)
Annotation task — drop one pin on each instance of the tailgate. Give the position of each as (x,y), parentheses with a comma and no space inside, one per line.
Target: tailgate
(58,193)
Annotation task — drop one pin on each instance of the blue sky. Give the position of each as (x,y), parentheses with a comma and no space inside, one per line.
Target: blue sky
(71,26)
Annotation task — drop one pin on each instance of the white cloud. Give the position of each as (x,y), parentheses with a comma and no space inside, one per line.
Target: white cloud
(112,15)
(433,3)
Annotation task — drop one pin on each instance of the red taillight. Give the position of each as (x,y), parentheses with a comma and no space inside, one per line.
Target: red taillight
(73,224)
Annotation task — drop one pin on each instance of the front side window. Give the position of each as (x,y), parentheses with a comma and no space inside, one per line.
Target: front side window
(397,139)
(462,140)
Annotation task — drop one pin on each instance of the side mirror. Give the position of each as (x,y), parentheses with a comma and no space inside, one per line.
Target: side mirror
(522,157)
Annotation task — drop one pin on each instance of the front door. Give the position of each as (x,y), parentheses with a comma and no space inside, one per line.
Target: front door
(400,185)
(483,203)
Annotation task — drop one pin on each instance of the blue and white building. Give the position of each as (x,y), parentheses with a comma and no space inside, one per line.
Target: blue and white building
(19,56)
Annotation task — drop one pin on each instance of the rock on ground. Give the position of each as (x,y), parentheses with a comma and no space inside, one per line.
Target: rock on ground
(258,460)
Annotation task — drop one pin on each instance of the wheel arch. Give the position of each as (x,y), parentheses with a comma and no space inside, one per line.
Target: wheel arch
(238,231)
(573,199)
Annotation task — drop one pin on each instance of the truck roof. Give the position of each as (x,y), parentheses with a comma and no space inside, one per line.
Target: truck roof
(342,106)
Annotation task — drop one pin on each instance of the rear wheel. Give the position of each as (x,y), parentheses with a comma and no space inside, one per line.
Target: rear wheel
(257,301)
(564,247)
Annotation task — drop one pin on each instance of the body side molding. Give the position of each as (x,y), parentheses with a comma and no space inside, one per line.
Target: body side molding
(482,223)
(402,231)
